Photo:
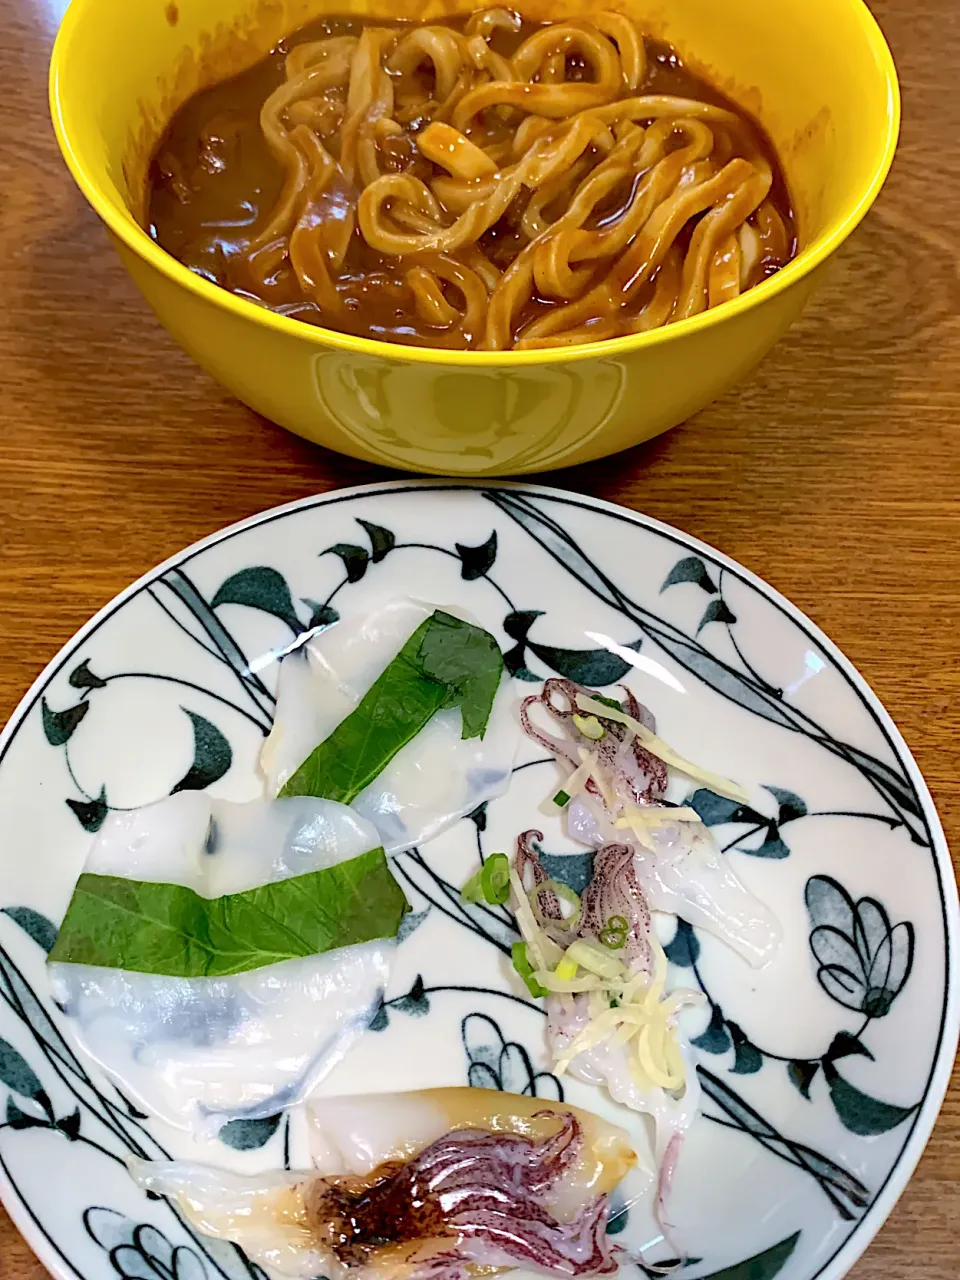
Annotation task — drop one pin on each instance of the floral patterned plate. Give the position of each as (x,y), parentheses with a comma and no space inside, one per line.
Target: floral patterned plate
(822,1073)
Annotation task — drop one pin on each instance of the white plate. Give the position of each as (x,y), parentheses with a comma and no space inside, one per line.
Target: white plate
(823,1073)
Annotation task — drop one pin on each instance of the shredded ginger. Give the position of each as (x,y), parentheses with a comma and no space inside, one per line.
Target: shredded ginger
(657,747)
(587,771)
(627,1007)
(644,821)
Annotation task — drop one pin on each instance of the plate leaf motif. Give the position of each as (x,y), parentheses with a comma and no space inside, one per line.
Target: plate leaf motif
(81,677)
(762,1266)
(249,1135)
(34,925)
(17,1074)
(690,569)
(802,1075)
(263,588)
(716,611)
(593,667)
(321,615)
(716,1038)
(476,562)
(355,559)
(683,949)
(59,726)
(212,756)
(747,1057)
(596,668)
(382,541)
(91,813)
(416,1002)
(762,835)
(857,1111)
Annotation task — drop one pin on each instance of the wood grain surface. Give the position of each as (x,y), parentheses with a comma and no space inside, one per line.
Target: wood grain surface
(834,472)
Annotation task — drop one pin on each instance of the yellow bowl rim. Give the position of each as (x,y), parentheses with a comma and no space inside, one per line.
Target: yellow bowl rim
(136,239)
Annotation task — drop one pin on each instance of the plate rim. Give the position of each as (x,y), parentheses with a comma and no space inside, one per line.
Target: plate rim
(865,1231)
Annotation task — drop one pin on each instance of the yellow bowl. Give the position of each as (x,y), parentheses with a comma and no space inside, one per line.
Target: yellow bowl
(816,72)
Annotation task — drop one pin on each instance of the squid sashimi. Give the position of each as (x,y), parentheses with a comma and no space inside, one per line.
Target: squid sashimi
(422,1185)
(596,958)
(361,681)
(609,1018)
(218,959)
(682,872)
(620,797)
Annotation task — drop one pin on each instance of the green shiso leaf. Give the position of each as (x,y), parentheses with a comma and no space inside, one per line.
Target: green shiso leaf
(446,663)
(168,929)
(468,661)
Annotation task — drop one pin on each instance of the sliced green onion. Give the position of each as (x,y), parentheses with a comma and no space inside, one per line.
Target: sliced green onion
(523,966)
(472,889)
(590,727)
(561,799)
(565,894)
(614,932)
(491,883)
(495,878)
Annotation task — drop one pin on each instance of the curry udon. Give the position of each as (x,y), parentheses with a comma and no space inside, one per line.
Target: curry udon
(491,184)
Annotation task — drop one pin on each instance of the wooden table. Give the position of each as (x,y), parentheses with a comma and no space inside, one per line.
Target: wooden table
(834,472)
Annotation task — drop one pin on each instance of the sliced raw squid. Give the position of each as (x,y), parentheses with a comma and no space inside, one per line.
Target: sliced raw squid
(436,778)
(422,1185)
(199,1050)
(608,1063)
(621,799)
(683,872)
(609,1018)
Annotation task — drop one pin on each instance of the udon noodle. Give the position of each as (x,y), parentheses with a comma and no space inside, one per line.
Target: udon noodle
(491,185)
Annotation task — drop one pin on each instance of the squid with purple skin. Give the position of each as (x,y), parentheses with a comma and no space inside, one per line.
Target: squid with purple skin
(677,863)
(423,1186)
(638,777)
(615,893)
(622,1031)
(614,890)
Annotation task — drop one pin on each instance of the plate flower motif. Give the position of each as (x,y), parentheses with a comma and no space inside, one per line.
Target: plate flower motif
(864,961)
